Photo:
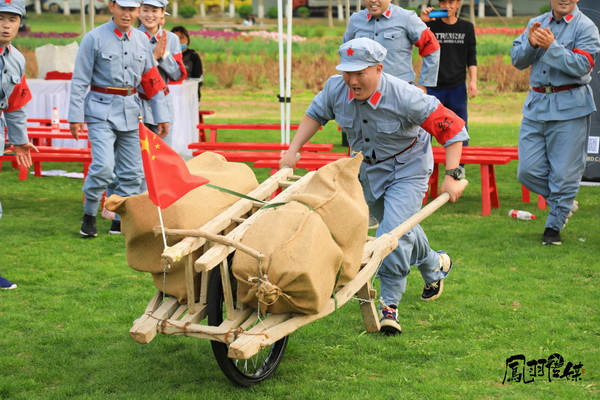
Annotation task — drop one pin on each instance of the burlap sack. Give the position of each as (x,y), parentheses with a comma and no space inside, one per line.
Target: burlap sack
(139,216)
(336,194)
(302,261)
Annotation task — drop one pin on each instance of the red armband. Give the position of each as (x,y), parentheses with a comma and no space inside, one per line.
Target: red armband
(443,123)
(19,96)
(179,59)
(427,43)
(586,55)
(152,82)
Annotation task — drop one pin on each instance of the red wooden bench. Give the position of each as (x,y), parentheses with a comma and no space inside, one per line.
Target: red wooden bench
(307,163)
(84,156)
(214,128)
(511,152)
(251,156)
(255,146)
(489,188)
(41,137)
(201,132)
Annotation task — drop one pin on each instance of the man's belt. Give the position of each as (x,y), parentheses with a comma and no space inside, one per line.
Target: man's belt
(128,91)
(554,89)
(373,162)
(166,91)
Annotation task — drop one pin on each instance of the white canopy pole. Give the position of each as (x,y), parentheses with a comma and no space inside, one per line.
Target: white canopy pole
(288,91)
(92,12)
(82,17)
(281,71)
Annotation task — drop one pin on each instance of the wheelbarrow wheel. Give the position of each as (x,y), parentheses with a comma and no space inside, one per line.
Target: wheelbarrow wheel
(244,373)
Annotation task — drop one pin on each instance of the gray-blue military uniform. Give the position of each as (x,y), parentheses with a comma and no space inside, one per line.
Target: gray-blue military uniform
(398,162)
(170,70)
(12,77)
(398,30)
(115,66)
(556,113)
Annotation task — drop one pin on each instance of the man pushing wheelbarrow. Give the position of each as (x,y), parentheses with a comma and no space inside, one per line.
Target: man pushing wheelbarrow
(390,122)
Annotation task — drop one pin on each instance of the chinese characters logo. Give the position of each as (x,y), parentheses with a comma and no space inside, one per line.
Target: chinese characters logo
(554,368)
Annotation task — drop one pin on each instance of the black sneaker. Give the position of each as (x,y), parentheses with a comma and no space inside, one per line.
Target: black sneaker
(389,322)
(115,228)
(88,226)
(434,290)
(551,236)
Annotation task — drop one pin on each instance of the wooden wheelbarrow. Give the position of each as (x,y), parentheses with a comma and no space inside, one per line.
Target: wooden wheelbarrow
(249,347)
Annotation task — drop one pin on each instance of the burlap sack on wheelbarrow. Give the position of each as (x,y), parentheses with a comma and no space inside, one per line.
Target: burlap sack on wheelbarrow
(139,216)
(336,194)
(302,261)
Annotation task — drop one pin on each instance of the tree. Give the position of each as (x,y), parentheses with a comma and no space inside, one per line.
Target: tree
(330,13)
(261,9)
(202,9)
(175,8)
(472,11)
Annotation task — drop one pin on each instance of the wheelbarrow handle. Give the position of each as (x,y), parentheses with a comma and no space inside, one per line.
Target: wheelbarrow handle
(423,213)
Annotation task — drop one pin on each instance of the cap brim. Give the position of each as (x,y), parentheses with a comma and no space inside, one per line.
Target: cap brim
(127,3)
(352,67)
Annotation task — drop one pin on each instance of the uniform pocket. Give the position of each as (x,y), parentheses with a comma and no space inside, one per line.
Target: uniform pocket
(347,125)
(98,105)
(388,127)
(393,40)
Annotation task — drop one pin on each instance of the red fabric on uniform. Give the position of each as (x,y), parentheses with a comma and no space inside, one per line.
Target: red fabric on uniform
(179,59)
(587,55)
(19,96)
(152,82)
(427,43)
(443,123)
(51,75)
(167,176)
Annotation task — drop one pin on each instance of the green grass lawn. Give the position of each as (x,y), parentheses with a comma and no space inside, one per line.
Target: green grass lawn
(65,328)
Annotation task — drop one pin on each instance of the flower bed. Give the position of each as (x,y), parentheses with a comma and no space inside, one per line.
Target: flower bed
(227,34)
(499,31)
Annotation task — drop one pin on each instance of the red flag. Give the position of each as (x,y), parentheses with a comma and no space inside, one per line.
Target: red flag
(167,176)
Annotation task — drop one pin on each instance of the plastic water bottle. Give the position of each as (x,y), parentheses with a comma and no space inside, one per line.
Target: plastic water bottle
(55,121)
(524,215)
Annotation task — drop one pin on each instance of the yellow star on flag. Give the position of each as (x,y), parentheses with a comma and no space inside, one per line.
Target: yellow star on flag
(144,145)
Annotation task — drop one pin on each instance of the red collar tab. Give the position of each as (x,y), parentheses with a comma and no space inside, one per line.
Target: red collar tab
(387,14)
(375,99)
(567,18)
(120,34)
(157,36)
(350,95)
(7,48)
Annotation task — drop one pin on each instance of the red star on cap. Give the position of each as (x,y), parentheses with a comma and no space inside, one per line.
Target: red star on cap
(350,52)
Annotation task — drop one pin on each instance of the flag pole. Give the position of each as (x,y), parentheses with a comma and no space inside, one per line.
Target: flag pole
(162,227)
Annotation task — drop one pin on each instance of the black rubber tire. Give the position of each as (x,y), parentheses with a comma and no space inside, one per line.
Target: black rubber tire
(244,373)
